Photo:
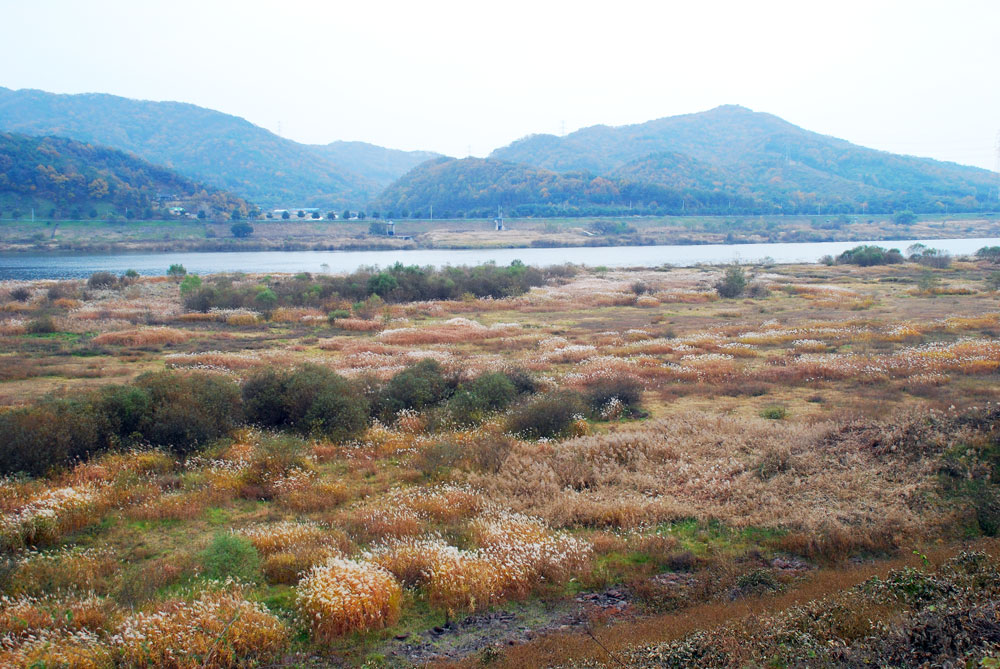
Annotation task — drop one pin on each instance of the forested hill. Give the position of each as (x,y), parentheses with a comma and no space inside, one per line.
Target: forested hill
(475,186)
(224,151)
(378,164)
(727,160)
(70,179)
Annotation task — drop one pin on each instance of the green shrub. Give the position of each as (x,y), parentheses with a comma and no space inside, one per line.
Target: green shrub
(869,255)
(241,230)
(201,299)
(523,381)
(176,271)
(164,409)
(265,300)
(189,410)
(548,416)
(773,413)
(124,409)
(231,556)
(417,387)
(733,282)
(986,504)
(487,392)
(264,397)
(320,402)
(190,283)
(49,435)
(991,253)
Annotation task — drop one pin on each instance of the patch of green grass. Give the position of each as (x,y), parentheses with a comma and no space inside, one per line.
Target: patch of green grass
(715,537)
(231,556)
(278,598)
(57,336)
(217,516)
(774,413)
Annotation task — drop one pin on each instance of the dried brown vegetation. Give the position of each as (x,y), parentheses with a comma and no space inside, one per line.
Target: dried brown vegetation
(605,430)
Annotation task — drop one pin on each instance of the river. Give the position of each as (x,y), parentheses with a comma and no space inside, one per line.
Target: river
(28,266)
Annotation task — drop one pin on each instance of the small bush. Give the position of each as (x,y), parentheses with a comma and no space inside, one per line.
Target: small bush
(548,416)
(991,253)
(102,280)
(41,325)
(176,271)
(190,284)
(757,289)
(311,399)
(869,255)
(756,582)
(733,282)
(604,393)
(774,412)
(59,291)
(20,294)
(51,434)
(264,397)
(417,387)
(439,457)
(124,409)
(231,556)
(523,381)
(345,596)
(320,402)
(241,230)
(485,393)
(187,411)
(218,629)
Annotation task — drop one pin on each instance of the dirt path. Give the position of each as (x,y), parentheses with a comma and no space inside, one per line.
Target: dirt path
(586,640)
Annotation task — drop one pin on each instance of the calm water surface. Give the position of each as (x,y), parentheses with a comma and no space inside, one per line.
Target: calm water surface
(65,266)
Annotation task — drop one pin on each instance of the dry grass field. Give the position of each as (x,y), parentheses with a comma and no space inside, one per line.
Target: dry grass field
(612,468)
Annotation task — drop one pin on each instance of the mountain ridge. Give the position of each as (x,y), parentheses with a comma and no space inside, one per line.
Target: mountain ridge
(67,178)
(729,159)
(221,149)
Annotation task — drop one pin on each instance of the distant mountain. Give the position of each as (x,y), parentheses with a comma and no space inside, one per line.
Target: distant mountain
(377,164)
(726,160)
(475,186)
(70,179)
(222,150)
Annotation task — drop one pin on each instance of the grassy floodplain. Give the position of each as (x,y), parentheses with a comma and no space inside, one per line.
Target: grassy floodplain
(307,234)
(609,467)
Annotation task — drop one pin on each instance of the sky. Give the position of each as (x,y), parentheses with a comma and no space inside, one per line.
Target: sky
(464,78)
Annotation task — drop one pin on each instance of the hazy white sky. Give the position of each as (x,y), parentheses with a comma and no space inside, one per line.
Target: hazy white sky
(911,77)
